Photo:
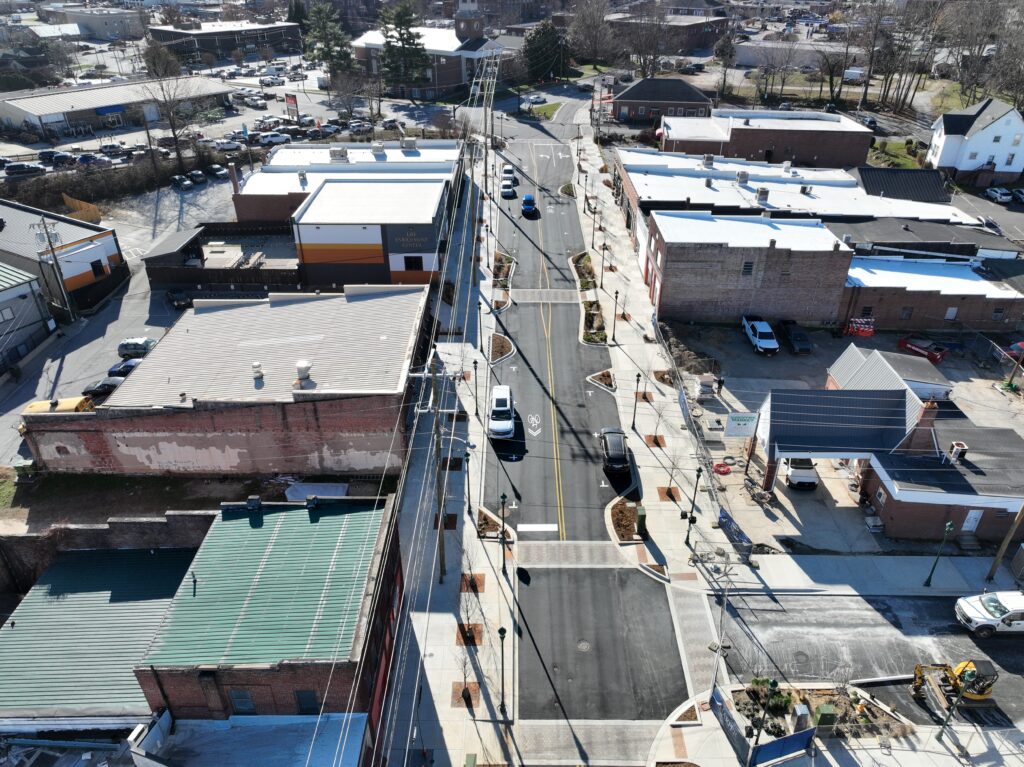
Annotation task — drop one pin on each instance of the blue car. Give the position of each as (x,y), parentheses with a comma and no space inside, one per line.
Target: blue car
(529,205)
(123,368)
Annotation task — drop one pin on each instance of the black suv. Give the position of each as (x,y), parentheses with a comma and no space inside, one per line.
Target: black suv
(614,454)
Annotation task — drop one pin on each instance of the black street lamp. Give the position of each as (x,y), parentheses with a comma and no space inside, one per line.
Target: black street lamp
(480,324)
(469,490)
(615,316)
(689,526)
(603,249)
(501,705)
(693,500)
(476,391)
(946,533)
(636,399)
(504,568)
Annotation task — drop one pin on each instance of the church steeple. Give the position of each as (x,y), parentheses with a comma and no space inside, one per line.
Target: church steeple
(469,21)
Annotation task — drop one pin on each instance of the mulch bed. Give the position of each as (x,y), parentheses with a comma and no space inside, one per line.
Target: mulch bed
(585,271)
(593,323)
(472,583)
(670,494)
(654,440)
(500,346)
(624,519)
(660,569)
(502,267)
(689,715)
(485,525)
(605,378)
(469,635)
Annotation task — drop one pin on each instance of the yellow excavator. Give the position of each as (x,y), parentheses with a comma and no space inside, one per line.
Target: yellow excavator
(971,681)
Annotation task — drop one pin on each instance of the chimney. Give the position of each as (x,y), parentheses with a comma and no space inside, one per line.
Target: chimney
(253,503)
(835,245)
(957,452)
(847,239)
(762,195)
(302,368)
(233,173)
(771,244)
(746,121)
(709,161)
(805,189)
(921,437)
(742,177)
(302,179)
(786,166)
(707,182)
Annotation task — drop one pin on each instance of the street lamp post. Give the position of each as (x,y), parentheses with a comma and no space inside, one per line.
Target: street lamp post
(501,705)
(636,399)
(689,526)
(693,500)
(773,685)
(615,317)
(480,325)
(469,490)
(946,533)
(504,568)
(601,283)
(476,391)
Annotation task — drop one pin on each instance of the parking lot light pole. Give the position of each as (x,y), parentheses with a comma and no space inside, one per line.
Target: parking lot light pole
(504,568)
(636,399)
(501,705)
(946,533)
(693,500)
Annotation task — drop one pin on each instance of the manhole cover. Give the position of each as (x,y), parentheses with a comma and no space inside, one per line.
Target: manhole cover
(801,657)
(583,645)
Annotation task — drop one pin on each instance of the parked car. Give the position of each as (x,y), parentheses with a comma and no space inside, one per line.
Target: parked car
(271,80)
(123,368)
(999,194)
(536,98)
(314,133)
(167,142)
(994,612)
(197,177)
(112,149)
(760,335)
(392,124)
(508,189)
(870,122)
(179,299)
(253,138)
(14,169)
(297,76)
(501,421)
(227,145)
(63,159)
(786,106)
(255,102)
(529,205)
(207,142)
(796,337)
(1018,195)
(90,160)
(46,156)
(3,162)
(508,173)
(614,453)
(585,87)
(102,388)
(799,473)
(831,108)
(217,171)
(923,347)
(269,139)
(181,183)
(356,127)
(329,130)
(132,348)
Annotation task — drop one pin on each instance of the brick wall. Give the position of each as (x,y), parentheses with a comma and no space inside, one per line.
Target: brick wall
(825,149)
(706,283)
(346,435)
(922,521)
(654,110)
(267,207)
(899,309)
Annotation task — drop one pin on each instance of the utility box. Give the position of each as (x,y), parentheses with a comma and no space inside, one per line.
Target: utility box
(801,717)
(1017,565)
(825,719)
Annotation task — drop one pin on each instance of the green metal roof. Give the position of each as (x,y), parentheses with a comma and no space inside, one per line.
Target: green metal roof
(70,646)
(280,583)
(11,277)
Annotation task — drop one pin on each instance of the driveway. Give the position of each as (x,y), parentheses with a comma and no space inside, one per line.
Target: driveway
(1009,217)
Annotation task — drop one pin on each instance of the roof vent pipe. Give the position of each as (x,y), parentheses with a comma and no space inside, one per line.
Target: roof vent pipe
(762,195)
(771,243)
(742,177)
(786,166)
(257,370)
(957,452)
(847,238)
(302,368)
(707,182)
(709,161)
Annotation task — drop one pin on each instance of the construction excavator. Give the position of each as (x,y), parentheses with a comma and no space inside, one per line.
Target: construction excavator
(970,681)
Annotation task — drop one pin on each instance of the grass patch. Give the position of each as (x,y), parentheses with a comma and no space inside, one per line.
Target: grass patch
(546,111)
(892,154)
(568,190)
(586,70)
(947,96)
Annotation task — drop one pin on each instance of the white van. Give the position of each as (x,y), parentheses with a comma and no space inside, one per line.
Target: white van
(994,612)
(501,421)
(274,70)
(799,473)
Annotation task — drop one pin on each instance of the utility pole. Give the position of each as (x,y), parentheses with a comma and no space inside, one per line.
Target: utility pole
(439,485)
(57,271)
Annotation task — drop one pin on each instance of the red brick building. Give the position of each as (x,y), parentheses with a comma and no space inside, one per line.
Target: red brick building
(804,138)
(650,99)
(295,383)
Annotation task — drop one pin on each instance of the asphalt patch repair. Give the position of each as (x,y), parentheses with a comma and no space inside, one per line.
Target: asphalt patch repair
(597,644)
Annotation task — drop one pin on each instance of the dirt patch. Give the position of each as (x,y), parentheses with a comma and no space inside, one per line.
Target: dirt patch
(585,271)
(593,323)
(485,525)
(856,717)
(659,569)
(689,715)
(684,357)
(500,346)
(654,440)
(664,377)
(624,519)
(502,270)
(605,378)
(670,494)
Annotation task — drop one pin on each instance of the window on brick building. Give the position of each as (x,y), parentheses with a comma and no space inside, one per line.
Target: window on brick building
(906,312)
(748,268)
(306,702)
(880,497)
(867,311)
(414,263)
(999,313)
(241,701)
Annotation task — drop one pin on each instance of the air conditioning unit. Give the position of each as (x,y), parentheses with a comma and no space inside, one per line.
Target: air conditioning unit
(377,147)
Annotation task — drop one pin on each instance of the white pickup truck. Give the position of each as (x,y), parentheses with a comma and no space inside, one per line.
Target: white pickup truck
(760,335)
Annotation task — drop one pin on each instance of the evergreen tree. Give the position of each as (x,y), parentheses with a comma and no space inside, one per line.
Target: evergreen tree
(404,60)
(326,41)
(545,52)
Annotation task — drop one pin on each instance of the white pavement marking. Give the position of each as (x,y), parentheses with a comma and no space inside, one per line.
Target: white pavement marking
(538,527)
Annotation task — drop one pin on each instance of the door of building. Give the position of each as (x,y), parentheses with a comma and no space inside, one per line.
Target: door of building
(971,521)
(951,313)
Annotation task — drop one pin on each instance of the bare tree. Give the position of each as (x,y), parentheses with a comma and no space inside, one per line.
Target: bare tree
(1008,65)
(176,98)
(171,16)
(590,36)
(349,89)
(645,40)
(266,53)
(970,27)
(778,59)
(209,59)
(238,56)
(660,408)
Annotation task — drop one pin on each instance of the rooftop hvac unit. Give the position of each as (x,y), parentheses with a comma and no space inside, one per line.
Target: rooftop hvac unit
(709,160)
(408,143)
(762,195)
(786,166)
(339,154)
(302,368)
(742,177)
(377,147)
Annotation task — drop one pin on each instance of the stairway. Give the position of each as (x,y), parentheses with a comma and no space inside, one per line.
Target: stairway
(968,542)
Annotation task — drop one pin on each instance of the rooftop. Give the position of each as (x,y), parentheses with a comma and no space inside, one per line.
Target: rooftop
(359,343)
(722,122)
(21,238)
(355,201)
(950,279)
(975,118)
(50,102)
(921,184)
(436,40)
(827,420)
(674,20)
(668,178)
(745,231)
(662,89)
(12,278)
(226,26)
(902,231)
(853,371)
(70,646)
(49,31)
(279,583)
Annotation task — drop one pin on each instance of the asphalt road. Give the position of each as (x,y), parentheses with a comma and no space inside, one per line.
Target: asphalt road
(596,644)
(802,638)
(551,470)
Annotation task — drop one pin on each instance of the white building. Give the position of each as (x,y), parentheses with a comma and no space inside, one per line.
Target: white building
(981,143)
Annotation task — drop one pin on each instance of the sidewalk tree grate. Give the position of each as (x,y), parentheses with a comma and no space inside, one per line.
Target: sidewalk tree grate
(670,494)
(469,635)
(461,691)
(654,440)
(645,396)
(473,583)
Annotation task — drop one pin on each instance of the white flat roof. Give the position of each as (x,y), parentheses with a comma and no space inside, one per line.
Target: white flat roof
(434,39)
(745,231)
(227,26)
(357,201)
(305,155)
(721,123)
(59,101)
(671,177)
(922,275)
(291,182)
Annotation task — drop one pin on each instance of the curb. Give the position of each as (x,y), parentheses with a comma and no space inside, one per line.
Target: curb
(583,313)
(503,357)
(592,379)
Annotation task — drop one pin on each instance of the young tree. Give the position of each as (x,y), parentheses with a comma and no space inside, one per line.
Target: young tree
(725,52)
(267,54)
(238,56)
(326,41)
(403,60)
(59,55)
(171,15)
(209,59)
(160,62)
(545,52)
(590,36)
(176,99)
(646,40)
(350,88)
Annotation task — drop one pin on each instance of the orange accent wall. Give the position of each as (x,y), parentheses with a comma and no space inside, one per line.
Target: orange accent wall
(79,280)
(314,253)
(412,278)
